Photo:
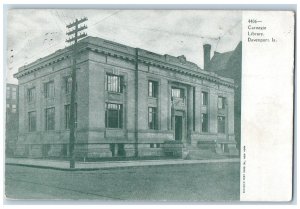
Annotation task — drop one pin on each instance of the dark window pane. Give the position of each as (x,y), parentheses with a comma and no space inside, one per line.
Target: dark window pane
(67,116)
(8,92)
(204,98)
(152,118)
(177,92)
(204,122)
(30,94)
(49,89)
(14,108)
(32,121)
(221,103)
(152,88)
(221,124)
(68,84)
(114,115)
(114,83)
(50,118)
(14,93)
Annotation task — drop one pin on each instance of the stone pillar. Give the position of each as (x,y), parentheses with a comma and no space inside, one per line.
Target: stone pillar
(22,109)
(230,115)
(142,101)
(164,106)
(96,91)
(213,111)
(197,109)
(190,116)
(170,109)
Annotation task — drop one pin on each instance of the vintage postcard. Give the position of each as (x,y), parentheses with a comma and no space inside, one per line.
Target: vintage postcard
(149,105)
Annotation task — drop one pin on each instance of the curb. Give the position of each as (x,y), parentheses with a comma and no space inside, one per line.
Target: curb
(116,167)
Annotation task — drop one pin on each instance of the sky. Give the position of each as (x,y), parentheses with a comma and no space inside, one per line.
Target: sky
(32,34)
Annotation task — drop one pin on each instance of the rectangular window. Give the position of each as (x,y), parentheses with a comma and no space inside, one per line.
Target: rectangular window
(49,89)
(14,93)
(221,124)
(152,118)
(32,121)
(67,116)
(7,92)
(68,85)
(31,94)
(50,119)
(177,92)
(113,115)
(204,98)
(204,121)
(14,108)
(153,89)
(114,83)
(221,102)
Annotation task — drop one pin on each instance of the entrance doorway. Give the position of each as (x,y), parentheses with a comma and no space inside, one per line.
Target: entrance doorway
(178,128)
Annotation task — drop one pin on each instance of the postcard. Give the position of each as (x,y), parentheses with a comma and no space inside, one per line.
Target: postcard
(149,105)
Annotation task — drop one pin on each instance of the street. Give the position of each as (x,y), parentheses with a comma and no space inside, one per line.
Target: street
(196,182)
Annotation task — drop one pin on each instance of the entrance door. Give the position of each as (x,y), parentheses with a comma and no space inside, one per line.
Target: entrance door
(178,128)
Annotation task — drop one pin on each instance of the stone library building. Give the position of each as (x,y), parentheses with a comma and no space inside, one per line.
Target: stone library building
(130,102)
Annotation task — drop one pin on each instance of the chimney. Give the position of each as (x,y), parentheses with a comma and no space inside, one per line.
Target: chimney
(206,48)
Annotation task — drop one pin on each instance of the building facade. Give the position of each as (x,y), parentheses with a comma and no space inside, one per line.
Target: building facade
(12,118)
(129,102)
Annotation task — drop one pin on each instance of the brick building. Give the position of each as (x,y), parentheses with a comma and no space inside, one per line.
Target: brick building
(11,118)
(129,102)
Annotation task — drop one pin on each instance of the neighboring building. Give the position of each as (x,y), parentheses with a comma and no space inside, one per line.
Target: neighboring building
(130,102)
(12,118)
(229,65)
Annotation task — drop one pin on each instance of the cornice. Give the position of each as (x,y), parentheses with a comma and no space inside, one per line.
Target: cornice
(129,56)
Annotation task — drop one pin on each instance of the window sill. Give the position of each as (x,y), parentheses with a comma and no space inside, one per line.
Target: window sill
(153,130)
(49,130)
(112,92)
(205,133)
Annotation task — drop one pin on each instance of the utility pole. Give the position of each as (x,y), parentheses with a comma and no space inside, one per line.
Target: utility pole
(74,40)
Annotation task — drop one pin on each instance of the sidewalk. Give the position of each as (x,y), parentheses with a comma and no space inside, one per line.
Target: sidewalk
(64,165)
